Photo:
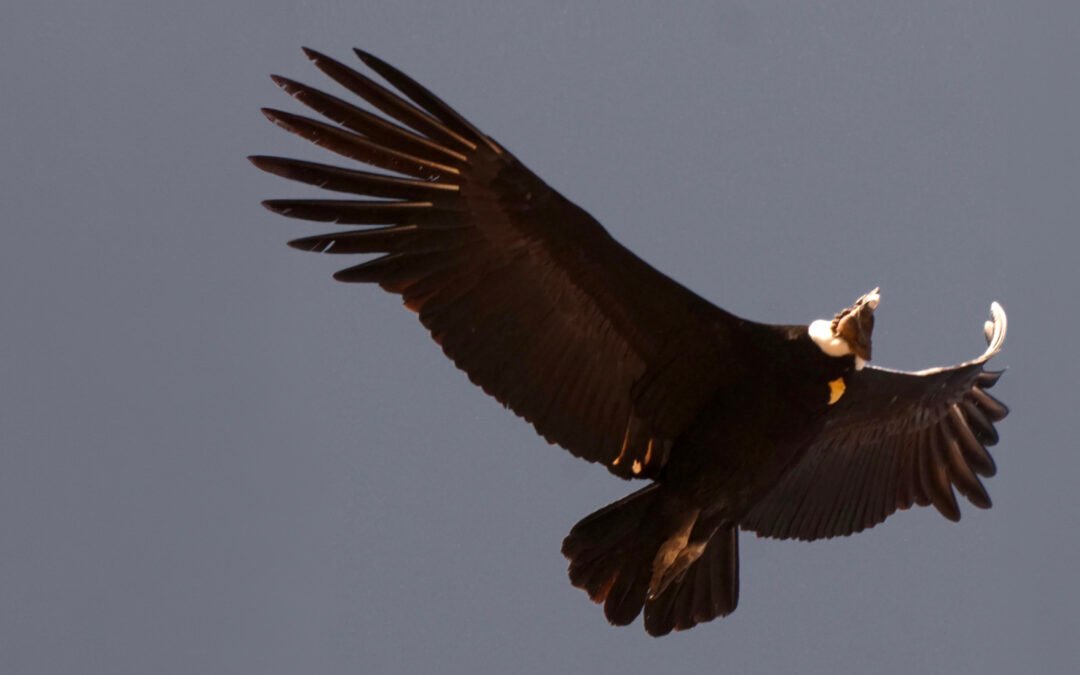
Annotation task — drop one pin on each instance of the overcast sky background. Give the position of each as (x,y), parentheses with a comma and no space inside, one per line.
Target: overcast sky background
(215,459)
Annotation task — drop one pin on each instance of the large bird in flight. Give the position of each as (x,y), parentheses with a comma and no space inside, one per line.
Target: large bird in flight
(776,429)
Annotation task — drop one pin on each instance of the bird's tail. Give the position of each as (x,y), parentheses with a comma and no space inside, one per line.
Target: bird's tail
(643,551)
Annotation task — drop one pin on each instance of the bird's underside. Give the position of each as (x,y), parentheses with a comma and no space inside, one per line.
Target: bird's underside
(774,429)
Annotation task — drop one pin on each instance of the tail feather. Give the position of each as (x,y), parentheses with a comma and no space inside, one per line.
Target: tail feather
(606,551)
(612,553)
(709,589)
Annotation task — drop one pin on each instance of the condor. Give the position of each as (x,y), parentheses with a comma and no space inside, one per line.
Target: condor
(775,429)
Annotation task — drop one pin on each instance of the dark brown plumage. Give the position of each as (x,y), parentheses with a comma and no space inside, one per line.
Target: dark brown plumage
(774,429)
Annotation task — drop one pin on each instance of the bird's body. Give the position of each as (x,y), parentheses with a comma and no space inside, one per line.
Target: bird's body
(757,425)
(776,429)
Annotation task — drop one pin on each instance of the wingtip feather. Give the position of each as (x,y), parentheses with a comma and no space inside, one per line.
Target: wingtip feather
(312,54)
(278,206)
(274,115)
(316,244)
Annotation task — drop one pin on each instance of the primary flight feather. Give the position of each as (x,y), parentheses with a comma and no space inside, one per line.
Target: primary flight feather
(778,429)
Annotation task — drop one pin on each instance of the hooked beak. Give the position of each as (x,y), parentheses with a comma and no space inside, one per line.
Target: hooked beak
(856,324)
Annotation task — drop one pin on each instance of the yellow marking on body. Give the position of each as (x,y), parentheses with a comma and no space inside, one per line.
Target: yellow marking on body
(636,467)
(836,390)
(648,450)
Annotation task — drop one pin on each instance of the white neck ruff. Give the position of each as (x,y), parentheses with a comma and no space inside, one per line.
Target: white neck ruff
(821,333)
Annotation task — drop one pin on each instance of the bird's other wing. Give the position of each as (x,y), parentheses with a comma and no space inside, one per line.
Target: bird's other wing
(523,290)
(893,440)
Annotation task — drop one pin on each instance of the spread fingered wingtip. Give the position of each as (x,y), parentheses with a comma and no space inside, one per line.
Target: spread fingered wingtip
(427,101)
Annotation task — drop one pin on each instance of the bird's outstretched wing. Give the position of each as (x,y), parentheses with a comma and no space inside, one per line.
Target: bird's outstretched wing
(526,292)
(893,440)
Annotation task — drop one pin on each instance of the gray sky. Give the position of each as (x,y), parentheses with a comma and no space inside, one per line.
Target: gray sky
(215,459)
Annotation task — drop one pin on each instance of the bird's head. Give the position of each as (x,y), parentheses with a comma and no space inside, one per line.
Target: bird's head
(849,332)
